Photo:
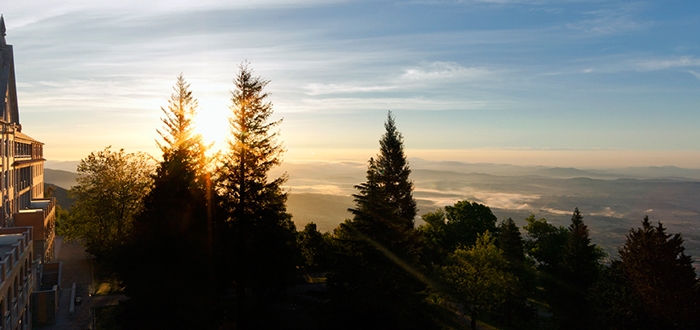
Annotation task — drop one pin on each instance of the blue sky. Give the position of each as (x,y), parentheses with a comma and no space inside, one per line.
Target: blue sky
(561,83)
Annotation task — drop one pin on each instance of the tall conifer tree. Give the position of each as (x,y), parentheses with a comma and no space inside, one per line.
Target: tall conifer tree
(579,268)
(172,243)
(393,172)
(261,252)
(661,276)
(377,283)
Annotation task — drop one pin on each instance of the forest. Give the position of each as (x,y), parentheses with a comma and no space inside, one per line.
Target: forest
(202,241)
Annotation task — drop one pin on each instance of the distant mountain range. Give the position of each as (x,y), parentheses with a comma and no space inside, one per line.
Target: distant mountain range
(611,200)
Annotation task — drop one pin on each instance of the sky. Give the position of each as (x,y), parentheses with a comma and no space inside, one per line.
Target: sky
(527,82)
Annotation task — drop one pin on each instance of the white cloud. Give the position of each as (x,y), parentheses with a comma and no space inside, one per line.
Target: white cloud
(660,64)
(447,71)
(382,103)
(608,212)
(321,89)
(695,74)
(508,201)
(555,211)
(611,20)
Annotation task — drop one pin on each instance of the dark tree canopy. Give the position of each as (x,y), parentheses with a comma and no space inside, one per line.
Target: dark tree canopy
(581,258)
(545,243)
(260,238)
(579,268)
(393,171)
(175,229)
(378,277)
(457,225)
(661,276)
(511,242)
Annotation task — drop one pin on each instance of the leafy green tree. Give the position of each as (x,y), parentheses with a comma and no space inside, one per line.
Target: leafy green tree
(478,277)
(260,253)
(175,229)
(378,278)
(110,189)
(661,276)
(313,247)
(459,224)
(61,213)
(545,243)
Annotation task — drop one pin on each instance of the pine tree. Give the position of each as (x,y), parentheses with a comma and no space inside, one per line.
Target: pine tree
(378,277)
(515,310)
(511,242)
(261,252)
(580,258)
(661,276)
(175,230)
(393,172)
(580,267)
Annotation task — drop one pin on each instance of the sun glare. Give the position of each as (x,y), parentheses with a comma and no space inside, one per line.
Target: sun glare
(212,123)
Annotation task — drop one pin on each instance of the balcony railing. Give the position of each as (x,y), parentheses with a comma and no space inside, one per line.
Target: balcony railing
(8,320)
(15,310)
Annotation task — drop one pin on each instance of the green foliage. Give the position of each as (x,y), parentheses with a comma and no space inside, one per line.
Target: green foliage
(545,242)
(510,241)
(109,193)
(516,312)
(661,276)
(258,235)
(61,218)
(478,277)
(457,225)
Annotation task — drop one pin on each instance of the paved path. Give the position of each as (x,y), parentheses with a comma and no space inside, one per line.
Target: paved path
(76,269)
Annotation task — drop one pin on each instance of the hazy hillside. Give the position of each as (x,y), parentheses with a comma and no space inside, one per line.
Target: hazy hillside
(611,200)
(63,179)
(69,166)
(61,195)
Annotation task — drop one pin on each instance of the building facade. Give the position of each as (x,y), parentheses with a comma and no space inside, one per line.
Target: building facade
(17,277)
(22,199)
(27,219)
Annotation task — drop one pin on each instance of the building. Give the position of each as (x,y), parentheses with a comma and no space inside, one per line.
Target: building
(17,275)
(27,220)
(22,165)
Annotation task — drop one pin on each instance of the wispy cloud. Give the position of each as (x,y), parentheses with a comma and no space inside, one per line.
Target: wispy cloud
(555,211)
(612,20)
(508,201)
(383,103)
(321,89)
(445,71)
(608,212)
(660,64)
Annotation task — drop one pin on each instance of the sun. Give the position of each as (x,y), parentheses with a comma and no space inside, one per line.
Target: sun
(211,122)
